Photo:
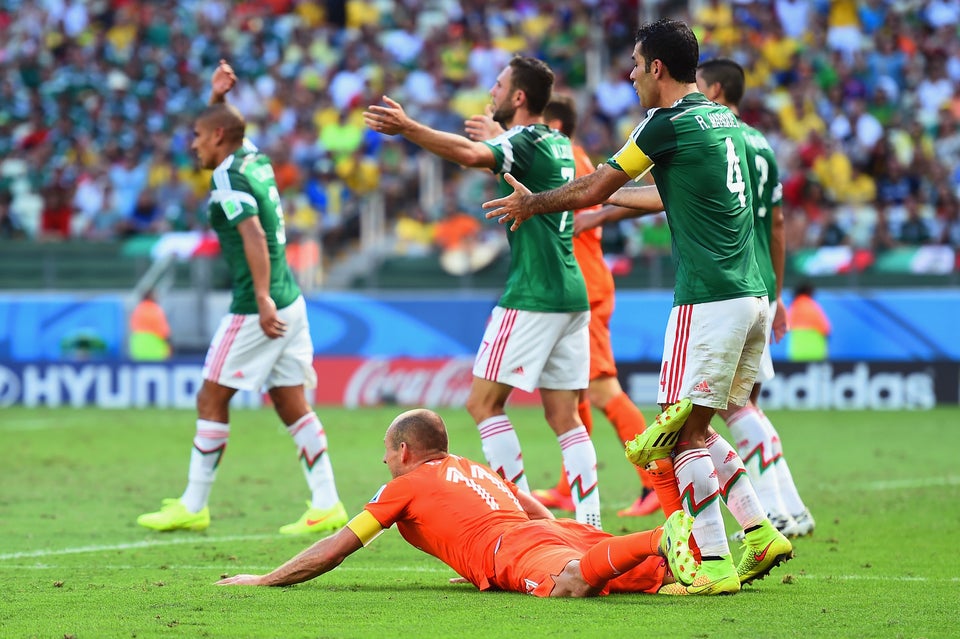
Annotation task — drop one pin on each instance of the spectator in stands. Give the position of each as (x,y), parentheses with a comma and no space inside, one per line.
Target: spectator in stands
(832,232)
(9,227)
(896,184)
(809,327)
(84,103)
(57,205)
(415,234)
(915,230)
(883,237)
(949,215)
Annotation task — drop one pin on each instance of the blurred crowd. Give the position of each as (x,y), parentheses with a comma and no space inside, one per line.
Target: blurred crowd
(860,100)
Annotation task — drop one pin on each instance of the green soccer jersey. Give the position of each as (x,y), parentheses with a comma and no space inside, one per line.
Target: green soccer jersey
(767,194)
(544,275)
(243,186)
(696,152)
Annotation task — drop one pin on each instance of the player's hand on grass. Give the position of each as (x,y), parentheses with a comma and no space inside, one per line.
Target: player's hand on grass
(459,580)
(511,207)
(240,580)
(482,127)
(390,119)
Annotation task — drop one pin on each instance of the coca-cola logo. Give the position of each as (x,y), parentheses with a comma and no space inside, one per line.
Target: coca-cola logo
(410,383)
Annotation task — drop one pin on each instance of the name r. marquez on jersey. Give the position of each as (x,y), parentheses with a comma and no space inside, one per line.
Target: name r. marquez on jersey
(721,120)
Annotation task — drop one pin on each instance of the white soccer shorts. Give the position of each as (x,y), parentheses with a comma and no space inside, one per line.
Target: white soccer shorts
(241,356)
(530,350)
(712,351)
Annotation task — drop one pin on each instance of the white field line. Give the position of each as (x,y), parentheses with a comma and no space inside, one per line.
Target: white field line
(354,568)
(28,554)
(234,569)
(344,568)
(903,484)
(920,482)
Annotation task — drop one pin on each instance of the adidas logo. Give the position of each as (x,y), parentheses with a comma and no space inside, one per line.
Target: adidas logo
(666,439)
(238,375)
(518,370)
(730,457)
(702,387)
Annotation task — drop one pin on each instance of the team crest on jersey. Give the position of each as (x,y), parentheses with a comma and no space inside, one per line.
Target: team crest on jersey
(376,497)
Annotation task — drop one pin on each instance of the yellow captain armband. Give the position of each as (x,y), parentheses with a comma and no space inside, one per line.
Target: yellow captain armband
(366,527)
(632,160)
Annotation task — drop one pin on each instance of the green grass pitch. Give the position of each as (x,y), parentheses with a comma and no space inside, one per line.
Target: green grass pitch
(883,486)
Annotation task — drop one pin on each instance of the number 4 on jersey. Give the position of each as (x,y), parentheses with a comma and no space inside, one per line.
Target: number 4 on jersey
(735,183)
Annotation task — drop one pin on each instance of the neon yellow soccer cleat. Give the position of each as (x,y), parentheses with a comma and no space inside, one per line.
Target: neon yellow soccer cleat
(763,550)
(317,520)
(714,577)
(660,437)
(173,515)
(675,547)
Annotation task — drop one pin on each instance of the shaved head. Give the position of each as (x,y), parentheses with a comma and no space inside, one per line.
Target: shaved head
(422,430)
(224,116)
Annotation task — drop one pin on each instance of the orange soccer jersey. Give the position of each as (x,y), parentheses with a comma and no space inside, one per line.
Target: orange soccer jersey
(599,280)
(464,514)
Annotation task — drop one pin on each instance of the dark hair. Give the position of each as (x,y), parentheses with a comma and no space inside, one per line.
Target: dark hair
(804,288)
(227,117)
(563,108)
(730,76)
(535,79)
(423,430)
(674,44)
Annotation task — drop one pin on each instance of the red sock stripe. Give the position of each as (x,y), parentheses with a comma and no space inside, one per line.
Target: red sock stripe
(224,348)
(500,343)
(568,441)
(298,425)
(686,457)
(213,434)
(496,428)
(681,337)
(740,414)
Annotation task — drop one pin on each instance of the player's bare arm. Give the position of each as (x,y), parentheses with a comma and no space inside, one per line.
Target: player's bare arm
(321,557)
(778,247)
(533,508)
(645,199)
(390,119)
(585,191)
(482,126)
(258,259)
(223,80)
(607,215)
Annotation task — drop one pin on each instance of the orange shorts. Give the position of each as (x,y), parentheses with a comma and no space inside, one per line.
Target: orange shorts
(530,555)
(601,351)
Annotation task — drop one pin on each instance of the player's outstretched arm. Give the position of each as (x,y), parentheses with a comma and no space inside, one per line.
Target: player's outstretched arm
(645,199)
(390,119)
(533,508)
(585,191)
(606,215)
(223,80)
(321,557)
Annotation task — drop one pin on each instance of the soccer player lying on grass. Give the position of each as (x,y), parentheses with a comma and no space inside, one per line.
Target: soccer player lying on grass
(492,534)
